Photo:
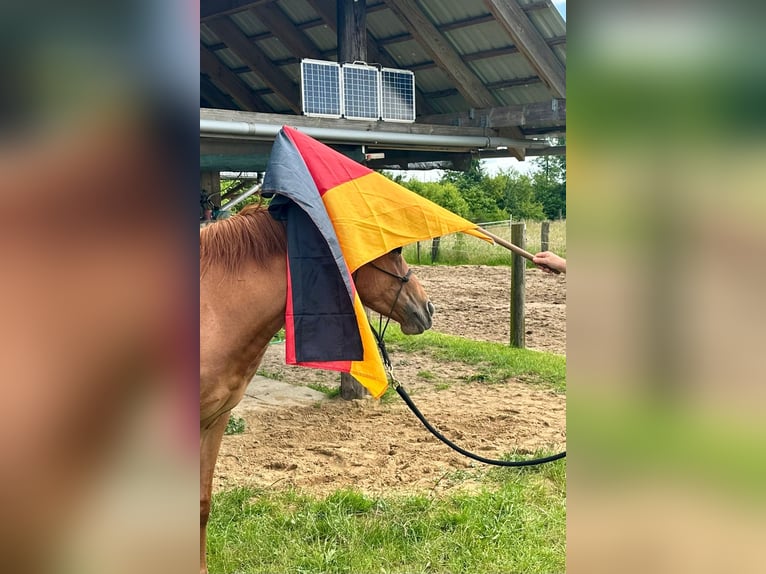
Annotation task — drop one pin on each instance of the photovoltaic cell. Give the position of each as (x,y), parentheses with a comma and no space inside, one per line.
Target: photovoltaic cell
(357,91)
(360,92)
(321,88)
(397,95)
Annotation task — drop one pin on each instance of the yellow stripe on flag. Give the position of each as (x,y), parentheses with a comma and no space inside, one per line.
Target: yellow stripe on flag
(369,372)
(373,215)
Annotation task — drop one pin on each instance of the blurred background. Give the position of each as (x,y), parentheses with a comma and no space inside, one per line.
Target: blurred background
(666,244)
(98,343)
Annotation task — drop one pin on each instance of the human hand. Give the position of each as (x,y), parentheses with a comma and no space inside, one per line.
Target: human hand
(550,262)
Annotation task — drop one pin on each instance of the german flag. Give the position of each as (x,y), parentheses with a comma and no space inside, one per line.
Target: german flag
(339,216)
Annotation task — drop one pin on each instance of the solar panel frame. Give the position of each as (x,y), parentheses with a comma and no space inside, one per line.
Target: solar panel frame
(391,110)
(360,107)
(321,97)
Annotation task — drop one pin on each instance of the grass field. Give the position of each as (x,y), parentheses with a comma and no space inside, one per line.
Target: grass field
(460,249)
(513,521)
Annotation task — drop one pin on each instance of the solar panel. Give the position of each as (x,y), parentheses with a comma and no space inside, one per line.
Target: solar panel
(360,92)
(321,89)
(397,95)
(357,91)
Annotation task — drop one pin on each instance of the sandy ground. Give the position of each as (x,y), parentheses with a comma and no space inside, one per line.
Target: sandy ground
(380,446)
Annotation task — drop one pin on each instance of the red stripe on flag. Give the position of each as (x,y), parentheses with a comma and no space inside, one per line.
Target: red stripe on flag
(289,322)
(328,167)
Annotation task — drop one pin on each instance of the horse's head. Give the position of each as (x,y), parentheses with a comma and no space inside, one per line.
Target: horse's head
(387,286)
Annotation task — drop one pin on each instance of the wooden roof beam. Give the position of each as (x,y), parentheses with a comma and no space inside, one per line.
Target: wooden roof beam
(515,21)
(209,9)
(446,57)
(212,96)
(442,53)
(258,61)
(228,82)
(283,28)
(538,114)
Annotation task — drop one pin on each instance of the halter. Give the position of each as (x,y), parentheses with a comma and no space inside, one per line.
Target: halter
(382,328)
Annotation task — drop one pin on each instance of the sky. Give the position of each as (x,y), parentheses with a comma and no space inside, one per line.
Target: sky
(491,165)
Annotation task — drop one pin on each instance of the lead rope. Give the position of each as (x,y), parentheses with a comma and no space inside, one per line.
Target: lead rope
(408,401)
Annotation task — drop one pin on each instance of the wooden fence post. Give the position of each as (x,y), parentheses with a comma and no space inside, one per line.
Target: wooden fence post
(518,267)
(544,232)
(435,249)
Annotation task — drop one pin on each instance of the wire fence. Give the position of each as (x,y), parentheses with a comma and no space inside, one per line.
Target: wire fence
(461,249)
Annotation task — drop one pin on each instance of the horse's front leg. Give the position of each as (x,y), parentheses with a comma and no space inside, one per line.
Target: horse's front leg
(210,443)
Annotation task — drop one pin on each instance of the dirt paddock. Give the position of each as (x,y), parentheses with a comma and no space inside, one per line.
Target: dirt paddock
(380,446)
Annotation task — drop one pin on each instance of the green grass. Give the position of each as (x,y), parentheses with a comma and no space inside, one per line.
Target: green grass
(331,392)
(461,249)
(496,362)
(516,523)
(235,425)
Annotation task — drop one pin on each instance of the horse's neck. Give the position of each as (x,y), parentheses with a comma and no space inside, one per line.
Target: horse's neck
(238,317)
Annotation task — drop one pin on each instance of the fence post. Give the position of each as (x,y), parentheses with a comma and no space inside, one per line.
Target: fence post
(544,231)
(418,252)
(518,266)
(435,248)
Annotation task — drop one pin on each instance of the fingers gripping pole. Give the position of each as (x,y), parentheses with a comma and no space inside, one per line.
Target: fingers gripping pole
(511,247)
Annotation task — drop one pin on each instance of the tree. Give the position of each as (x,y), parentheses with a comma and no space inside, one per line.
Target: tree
(443,194)
(550,179)
(516,194)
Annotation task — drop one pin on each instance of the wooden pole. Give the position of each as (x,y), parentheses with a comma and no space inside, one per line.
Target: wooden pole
(510,246)
(352,45)
(517,288)
(544,232)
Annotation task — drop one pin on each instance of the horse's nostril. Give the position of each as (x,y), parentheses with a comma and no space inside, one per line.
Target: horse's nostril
(431,308)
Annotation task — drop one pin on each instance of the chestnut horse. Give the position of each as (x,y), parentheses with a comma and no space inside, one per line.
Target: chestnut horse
(242,305)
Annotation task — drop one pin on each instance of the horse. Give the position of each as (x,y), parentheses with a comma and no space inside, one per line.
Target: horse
(243,288)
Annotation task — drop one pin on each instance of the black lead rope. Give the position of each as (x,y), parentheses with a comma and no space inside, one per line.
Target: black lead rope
(406,398)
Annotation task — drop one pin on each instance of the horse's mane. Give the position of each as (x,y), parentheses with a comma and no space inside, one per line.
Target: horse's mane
(251,235)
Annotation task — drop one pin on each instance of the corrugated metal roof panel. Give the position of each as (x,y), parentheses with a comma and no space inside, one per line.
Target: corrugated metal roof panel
(252,80)
(449,104)
(407,53)
(229,58)
(384,24)
(523,95)
(248,22)
(293,71)
(323,38)
(277,104)
(432,80)
(548,22)
(298,11)
(274,49)
(207,36)
(507,67)
(448,11)
(486,36)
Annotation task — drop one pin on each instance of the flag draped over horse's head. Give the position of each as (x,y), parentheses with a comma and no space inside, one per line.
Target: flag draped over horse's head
(339,216)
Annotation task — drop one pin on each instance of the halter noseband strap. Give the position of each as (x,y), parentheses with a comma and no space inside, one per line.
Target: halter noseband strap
(403,278)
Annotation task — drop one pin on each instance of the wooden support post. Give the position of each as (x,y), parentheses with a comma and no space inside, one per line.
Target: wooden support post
(544,231)
(210,187)
(352,31)
(518,266)
(352,45)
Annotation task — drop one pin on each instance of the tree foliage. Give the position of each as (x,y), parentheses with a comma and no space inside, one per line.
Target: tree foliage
(477,196)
